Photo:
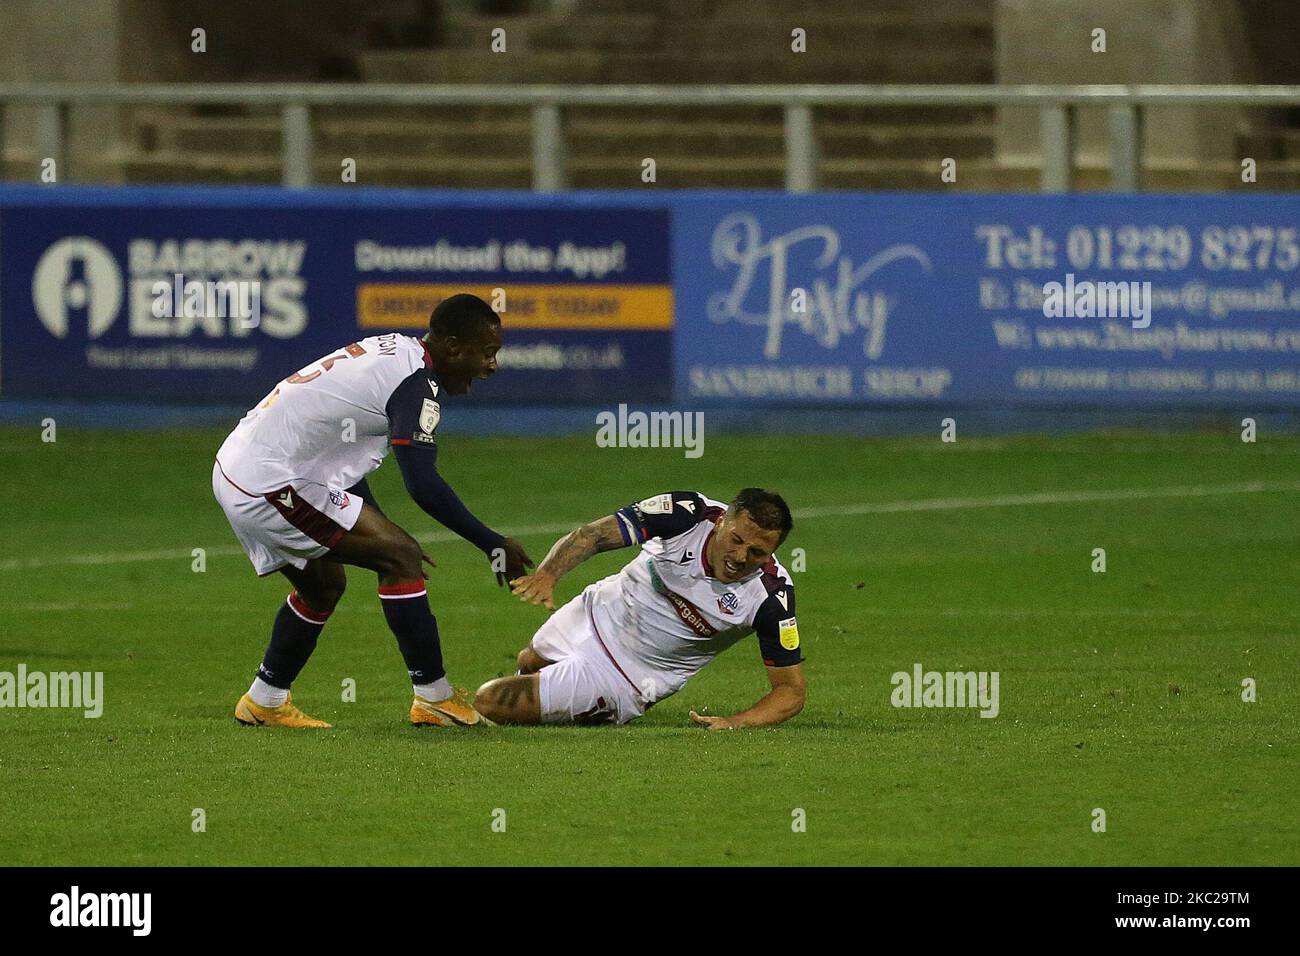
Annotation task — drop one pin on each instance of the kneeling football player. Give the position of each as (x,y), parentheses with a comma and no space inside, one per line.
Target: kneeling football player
(291,480)
(705,577)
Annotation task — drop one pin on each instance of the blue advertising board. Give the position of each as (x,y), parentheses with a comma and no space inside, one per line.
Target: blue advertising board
(877,300)
(699,298)
(217,298)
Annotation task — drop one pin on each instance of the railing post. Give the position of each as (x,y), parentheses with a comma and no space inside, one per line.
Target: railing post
(1125,148)
(295,145)
(1056,142)
(52,136)
(548,149)
(800,149)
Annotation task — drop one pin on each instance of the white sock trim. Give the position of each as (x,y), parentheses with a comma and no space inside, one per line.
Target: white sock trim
(440,689)
(264,695)
(403,597)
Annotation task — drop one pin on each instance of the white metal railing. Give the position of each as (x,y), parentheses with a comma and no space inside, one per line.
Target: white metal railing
(1056,104)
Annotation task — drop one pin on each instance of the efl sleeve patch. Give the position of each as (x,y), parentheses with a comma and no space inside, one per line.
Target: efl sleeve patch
(658,505)
(413,415)
(778,633)
(665,516)
(430,415)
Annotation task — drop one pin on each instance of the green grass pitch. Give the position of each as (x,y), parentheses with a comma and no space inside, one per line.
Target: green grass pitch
(1119,690)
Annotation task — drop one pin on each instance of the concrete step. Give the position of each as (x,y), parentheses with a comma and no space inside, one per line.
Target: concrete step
(468,141)
(906,142)
(260,135)
(354,132)
(975,11)
(900,142)
(168,168)
(823,115)
(830,35)
(454,173)
(1270,144)
(941,65)
(586,137)
(647,35)
(682,172)
(588,31)
(989,176)
(904,115)
(225,135)
(334,136)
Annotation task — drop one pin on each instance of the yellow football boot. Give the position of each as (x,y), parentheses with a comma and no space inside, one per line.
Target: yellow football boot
(286,715)
(455,711)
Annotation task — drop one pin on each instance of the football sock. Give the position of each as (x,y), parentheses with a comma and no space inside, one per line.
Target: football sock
(440,689)
(406,608)
(293,638)
(265,695)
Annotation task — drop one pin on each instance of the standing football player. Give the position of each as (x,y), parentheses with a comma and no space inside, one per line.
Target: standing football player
(706,576)
(291,480)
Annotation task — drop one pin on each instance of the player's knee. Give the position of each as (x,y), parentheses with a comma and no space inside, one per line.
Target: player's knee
(402,557)
(509,700)
(324,596)
(488,703)
(332,593)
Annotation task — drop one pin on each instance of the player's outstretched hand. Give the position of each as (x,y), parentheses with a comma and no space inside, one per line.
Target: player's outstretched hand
(517,561)
(713,723)
(535,589)
(429,561)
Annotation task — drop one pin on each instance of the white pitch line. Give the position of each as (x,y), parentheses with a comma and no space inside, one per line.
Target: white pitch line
(222,550)
(1047,498)
(802,514)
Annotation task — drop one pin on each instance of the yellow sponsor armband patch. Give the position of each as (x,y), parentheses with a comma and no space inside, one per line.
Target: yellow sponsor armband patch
(789,634)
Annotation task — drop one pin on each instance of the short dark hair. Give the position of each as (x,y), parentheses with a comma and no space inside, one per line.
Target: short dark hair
(463,315)
(767,509)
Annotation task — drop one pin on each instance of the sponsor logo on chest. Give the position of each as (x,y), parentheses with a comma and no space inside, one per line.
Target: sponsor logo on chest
(691,615)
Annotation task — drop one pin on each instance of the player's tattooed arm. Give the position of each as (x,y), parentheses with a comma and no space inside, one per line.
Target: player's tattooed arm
(580,544)
(565,555)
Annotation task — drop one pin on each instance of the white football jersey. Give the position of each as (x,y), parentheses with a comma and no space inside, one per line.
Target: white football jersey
(664,616)
(333,421)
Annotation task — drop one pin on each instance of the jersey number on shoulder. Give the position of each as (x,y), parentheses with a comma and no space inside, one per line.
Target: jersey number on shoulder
(354,350)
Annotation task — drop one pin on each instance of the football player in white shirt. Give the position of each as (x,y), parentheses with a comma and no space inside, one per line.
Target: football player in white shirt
(291,481)
(705,578)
